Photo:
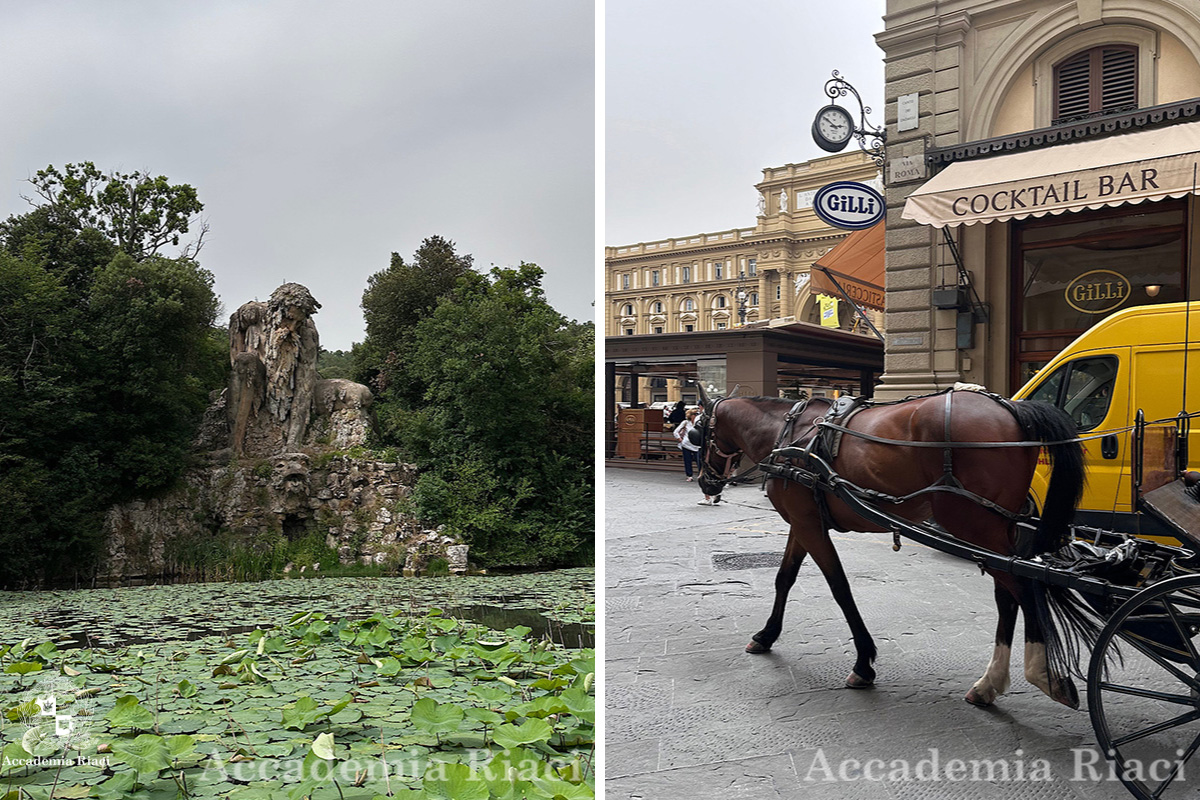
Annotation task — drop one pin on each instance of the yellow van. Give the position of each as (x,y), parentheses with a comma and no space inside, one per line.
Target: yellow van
(1133,359)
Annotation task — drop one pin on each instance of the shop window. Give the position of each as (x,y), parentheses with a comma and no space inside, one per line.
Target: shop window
(1072,272)
(1083,388)
(1101,80)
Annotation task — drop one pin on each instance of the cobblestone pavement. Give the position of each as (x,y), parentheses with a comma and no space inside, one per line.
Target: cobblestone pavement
(690,715)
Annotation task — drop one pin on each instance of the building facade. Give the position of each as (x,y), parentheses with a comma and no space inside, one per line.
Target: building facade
(1027,148)
(722,280)
(692,283)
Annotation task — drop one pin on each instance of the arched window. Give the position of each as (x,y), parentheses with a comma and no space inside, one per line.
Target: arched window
(720,301)
(1101,80)
(688,305)
(627,311)
(658,308)
(754,299)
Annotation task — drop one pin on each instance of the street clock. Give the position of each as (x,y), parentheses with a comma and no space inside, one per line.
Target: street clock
(832,128)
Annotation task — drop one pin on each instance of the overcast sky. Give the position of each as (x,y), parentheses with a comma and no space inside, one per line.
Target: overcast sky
(701,95)
(320,136)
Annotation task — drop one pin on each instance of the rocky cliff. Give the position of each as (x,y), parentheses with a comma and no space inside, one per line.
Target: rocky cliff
(280,459)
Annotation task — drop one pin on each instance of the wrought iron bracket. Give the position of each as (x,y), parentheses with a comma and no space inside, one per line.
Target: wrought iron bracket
(870,138)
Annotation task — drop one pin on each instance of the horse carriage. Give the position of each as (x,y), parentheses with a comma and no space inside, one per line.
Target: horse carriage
(952,471)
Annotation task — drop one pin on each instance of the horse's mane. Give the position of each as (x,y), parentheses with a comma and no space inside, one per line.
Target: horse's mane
(779,401)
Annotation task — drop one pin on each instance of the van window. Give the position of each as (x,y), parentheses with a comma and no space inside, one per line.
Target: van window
(1083,388)
(1047,391)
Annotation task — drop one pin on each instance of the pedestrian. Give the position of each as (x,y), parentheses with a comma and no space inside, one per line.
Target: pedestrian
(677,415)
(691,452)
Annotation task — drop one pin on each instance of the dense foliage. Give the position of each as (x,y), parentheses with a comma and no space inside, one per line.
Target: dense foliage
(138,212)
(490,392)
(324,699)
(106,362)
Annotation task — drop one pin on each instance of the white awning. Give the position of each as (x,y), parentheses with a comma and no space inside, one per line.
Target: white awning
(1129,168)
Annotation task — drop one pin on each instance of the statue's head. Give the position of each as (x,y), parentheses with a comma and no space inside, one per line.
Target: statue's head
(293,301)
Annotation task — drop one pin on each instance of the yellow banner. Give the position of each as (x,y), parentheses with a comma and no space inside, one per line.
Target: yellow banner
(829,311)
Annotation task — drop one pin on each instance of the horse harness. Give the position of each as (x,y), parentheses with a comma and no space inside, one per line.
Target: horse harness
(825,441)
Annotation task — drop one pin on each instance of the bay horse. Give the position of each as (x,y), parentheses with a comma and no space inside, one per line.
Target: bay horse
(1056,623)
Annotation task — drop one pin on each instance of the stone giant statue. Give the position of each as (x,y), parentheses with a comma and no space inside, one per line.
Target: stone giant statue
(274,391)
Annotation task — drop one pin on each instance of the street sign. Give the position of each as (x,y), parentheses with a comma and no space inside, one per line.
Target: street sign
(849,205)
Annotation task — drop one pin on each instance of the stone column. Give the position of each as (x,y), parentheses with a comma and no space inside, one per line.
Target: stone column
(764,299)
(787,294)
(922,58)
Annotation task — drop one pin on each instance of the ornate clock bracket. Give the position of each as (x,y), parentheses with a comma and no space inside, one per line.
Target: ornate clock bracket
(870,139)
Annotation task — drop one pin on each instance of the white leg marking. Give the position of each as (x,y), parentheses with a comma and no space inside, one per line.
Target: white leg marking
(995,680)
(1036,671)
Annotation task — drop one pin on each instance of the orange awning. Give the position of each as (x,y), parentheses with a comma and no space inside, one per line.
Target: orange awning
(857,264)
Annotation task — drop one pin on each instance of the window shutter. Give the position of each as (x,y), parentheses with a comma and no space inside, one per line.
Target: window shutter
(1097,81)
(1073,86)
(1118,79)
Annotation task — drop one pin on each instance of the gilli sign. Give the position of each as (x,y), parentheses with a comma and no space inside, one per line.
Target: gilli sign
(849,205)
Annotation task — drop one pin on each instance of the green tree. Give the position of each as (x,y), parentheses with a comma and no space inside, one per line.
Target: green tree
(394,302)
(503,433)
(106,363)
(139,213)
(335,364)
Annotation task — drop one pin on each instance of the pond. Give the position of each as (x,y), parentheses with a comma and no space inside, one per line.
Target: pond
(463,687)
(178,612)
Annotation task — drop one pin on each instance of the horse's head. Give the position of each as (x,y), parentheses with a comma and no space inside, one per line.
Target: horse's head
(719,456)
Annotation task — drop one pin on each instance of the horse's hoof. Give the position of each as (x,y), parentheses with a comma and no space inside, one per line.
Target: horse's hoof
(757,648)
(978,700)
(854,681)
(1068,696)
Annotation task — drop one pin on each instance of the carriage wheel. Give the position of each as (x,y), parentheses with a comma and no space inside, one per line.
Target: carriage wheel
(1144,690)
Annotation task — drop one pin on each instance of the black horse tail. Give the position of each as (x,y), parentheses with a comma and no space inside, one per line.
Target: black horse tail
(1048,423)
(1069,625)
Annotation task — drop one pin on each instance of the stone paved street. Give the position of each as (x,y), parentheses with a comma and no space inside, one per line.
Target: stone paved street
(690,715)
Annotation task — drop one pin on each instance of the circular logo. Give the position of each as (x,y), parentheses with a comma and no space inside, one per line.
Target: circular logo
(56,715)
(849,205)
(1098,292)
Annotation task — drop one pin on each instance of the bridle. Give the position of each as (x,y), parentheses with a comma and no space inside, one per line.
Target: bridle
(708,433)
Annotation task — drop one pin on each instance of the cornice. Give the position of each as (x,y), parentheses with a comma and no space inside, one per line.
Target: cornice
(1096,128)
(629,260)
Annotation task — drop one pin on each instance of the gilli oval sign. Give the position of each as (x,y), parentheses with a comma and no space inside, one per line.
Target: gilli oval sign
(849,204)
(1098,291)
